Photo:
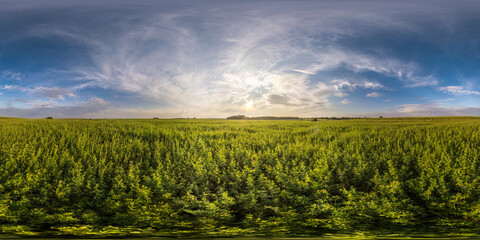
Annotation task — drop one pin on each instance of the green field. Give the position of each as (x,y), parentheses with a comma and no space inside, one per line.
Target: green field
(239,177)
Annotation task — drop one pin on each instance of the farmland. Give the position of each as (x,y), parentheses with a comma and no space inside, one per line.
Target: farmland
(239,176)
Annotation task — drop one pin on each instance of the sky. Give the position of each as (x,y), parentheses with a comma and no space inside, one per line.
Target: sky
(216,58)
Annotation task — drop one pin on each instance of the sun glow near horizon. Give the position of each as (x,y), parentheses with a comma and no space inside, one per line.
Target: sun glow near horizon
(249,105)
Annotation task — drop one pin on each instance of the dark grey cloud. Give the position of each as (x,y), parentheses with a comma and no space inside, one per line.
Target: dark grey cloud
(277,99)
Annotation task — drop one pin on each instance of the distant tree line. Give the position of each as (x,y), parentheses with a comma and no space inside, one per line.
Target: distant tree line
(292,118)
(238,117)
(262,118)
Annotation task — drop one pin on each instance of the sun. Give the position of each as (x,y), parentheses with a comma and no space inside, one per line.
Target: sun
(249,105)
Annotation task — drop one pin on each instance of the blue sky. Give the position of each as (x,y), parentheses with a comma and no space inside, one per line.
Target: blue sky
(125,59)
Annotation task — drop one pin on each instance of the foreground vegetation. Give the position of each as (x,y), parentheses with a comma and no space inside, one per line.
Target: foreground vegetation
(237,177)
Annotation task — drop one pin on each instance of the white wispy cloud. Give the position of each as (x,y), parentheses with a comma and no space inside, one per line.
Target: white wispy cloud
(42,104)
(52,93)
(374,94)
(44,92)
(343,86)
(9,75)
(418,81)
(345,101)
(435,109)
(458,90)
(93,107)
(14,88)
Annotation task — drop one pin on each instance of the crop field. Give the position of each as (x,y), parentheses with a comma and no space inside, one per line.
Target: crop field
(239,177)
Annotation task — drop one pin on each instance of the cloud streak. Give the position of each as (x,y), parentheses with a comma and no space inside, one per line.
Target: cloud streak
(374,94)
(42,109)
(9,75)
(52,93)
(435,110)
(458,90)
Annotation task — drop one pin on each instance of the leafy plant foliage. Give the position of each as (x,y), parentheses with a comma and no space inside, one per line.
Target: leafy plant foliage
(267,176)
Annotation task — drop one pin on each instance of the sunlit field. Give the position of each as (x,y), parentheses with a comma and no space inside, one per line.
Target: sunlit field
(240,177)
